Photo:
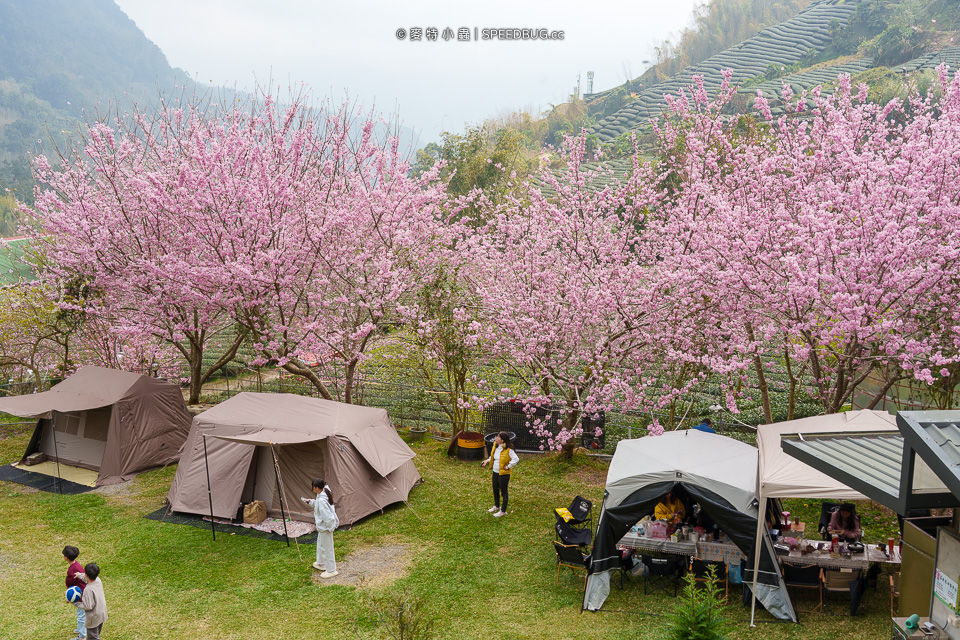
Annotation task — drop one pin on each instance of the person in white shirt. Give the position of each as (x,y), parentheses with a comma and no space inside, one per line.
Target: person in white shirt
(325,517)
(501,460)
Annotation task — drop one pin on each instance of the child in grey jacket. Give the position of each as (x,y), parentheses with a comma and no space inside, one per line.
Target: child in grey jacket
(325,517)
(93,602)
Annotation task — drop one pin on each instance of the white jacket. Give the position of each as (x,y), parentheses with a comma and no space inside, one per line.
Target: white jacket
(324,515)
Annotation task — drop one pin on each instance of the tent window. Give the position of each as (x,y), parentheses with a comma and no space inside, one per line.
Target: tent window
(97,424)
(68,423)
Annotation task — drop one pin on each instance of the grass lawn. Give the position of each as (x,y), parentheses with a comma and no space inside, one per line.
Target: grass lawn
(475,576)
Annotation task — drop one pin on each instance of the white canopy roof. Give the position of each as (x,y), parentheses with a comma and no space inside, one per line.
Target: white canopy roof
(783,476)
(726,466)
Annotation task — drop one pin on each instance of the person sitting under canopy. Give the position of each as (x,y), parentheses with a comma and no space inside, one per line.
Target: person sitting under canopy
(669,508)
(845,522)
(706,426)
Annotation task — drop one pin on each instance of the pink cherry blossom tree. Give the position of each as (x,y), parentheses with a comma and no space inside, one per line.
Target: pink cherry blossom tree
(218,220)
(123,213)
(829,235)
(321,267)
(565,274)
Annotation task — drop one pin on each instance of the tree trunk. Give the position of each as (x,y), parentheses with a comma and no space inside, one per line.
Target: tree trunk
(792,399)
(299,369)
(569,423)
(761,380)
(196,377)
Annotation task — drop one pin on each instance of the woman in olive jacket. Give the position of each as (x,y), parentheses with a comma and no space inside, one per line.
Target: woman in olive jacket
(502,459)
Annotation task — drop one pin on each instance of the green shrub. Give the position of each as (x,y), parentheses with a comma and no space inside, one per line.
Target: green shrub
(898,44)
(400,616)
(699,612)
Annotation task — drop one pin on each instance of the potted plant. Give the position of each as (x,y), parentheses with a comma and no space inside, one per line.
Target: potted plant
(416,433)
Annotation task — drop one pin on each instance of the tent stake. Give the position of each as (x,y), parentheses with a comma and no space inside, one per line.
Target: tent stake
(283,518)
(206,464)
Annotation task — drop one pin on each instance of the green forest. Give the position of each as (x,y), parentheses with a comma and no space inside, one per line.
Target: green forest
(61,62)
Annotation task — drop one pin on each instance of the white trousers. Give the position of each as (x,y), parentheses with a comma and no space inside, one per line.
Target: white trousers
(325,556)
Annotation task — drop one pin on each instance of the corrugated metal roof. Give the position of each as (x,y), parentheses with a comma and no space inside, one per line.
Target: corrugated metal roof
(947,436)
(869,462)
(935,435)
(873,462)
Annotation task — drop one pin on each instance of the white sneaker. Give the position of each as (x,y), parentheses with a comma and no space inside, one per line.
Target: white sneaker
(329,574)
(493,509)
(319,567)
(499,514)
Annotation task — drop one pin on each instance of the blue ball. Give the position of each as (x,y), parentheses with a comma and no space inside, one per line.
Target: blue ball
(74,594)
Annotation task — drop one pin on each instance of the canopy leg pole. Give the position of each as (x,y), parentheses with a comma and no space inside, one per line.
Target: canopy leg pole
(283,517)
(761,525)
(53,432)
(206,464)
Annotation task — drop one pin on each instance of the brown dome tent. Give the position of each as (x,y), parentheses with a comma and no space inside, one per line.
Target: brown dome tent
(114,422)
(250,441)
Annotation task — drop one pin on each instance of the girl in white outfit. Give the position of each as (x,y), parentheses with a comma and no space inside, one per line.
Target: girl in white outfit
(325,517)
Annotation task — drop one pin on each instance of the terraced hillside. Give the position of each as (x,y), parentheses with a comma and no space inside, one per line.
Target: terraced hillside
(949,55)
(784,44)
(826,75)
(804,80)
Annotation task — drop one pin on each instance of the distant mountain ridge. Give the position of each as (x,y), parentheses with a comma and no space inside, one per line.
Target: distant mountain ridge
(58,57)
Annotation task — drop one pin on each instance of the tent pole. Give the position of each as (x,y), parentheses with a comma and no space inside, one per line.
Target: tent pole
(206,464)
(283,517)
(280,484)
(761,525)
(53,432)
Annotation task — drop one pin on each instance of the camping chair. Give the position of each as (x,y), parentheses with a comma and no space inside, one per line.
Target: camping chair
(700,571)
(804,577)
(578,514)
(894,591)
(847,581)
(569,535)
(626,565)
(660,573)
(570,556)
(826,512)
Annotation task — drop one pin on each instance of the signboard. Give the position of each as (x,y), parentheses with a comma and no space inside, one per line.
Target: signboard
(945,589)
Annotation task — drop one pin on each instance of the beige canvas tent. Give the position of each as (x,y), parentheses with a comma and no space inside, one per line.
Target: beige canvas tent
(115,422)
(248,444)
(780,475)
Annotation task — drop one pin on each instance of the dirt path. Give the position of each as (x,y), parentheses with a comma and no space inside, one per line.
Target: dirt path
(371,567)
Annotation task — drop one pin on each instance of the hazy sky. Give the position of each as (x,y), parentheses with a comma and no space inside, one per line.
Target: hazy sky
(434,86)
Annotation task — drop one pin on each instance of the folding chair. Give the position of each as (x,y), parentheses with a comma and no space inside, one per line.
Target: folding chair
(571,557)
(570,535)
(849,581)
(701,573)
(578,514)
(804,577)
(826,511)
(661,572)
